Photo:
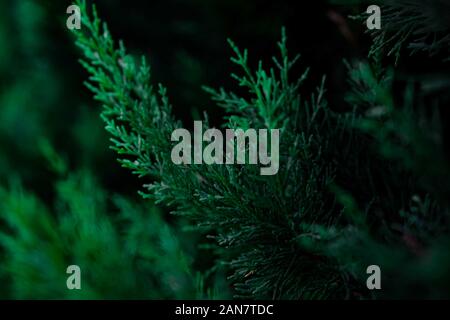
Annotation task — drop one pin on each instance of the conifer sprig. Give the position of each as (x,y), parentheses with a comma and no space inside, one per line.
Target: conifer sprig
(253,225)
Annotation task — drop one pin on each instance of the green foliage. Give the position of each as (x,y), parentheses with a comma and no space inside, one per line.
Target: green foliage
(408,242)
(407,23)
(409,131)
(124,249)
(272,98)
(253,225)
(354,188)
